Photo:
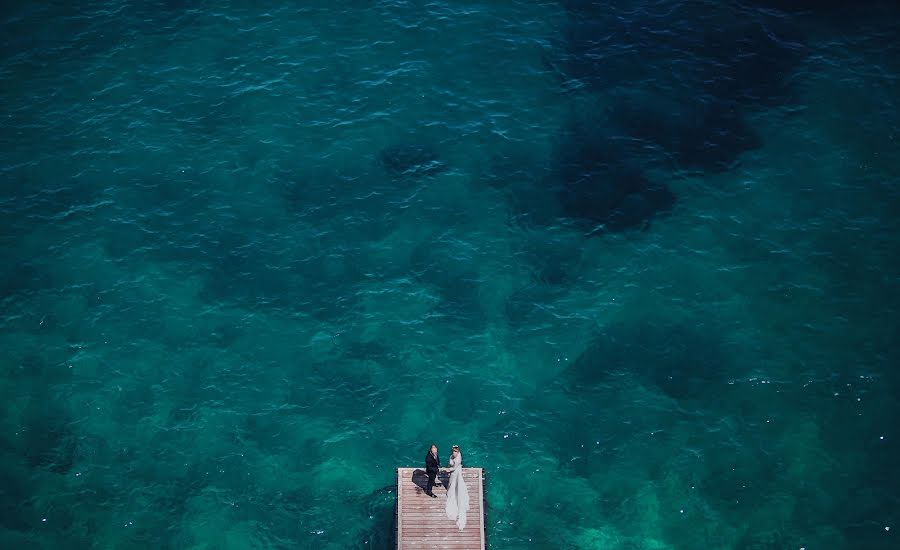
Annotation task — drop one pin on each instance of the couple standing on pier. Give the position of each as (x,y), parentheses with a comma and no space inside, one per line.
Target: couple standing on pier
(457,492)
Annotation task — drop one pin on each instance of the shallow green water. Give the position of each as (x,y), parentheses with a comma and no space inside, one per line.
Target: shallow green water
(640,262)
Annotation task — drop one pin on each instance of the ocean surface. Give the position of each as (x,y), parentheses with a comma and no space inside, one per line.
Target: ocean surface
(639,259)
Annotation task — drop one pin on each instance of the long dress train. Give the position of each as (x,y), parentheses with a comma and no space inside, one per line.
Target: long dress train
(457,493)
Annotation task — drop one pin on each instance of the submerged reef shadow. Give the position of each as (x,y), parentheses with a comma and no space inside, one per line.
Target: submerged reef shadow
(410,160)
(683,80)
(684,363)
(457,285)
(600,183)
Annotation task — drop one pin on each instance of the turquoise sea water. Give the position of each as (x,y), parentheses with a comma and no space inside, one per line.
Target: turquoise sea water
(641,260)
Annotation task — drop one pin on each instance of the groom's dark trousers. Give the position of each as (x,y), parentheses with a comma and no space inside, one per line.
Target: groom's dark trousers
(432,467)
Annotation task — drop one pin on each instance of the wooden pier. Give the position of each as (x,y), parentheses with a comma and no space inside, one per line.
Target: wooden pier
(422,522)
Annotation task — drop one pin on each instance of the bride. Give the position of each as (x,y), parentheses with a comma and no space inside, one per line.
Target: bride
(457,492)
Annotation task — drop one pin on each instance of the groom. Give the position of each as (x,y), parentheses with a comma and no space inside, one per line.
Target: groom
(432,467)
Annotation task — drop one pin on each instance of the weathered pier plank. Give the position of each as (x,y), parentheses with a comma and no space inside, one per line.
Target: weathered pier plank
(421,520)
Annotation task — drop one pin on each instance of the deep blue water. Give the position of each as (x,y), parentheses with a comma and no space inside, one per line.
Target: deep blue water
(641,260)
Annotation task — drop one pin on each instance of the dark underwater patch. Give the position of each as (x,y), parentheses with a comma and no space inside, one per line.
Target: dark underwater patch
(22,279)
(601,184)
(46,440)
(460,300)
(532,306)
(410,160)
(727,52)
(554,259)
(358,350)
(596,179)
(690,133)
(253,270)
(16,494)
(837,8)
(682,362)
(683,78)
(242,270)
(378,506)
(457,286)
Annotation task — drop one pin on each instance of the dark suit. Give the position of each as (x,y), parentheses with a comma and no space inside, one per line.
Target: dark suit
(432,467)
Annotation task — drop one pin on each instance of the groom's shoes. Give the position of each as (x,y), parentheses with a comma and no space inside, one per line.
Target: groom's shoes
(432,495)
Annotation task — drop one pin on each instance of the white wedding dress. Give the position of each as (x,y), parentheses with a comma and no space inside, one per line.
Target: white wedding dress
(457,493)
